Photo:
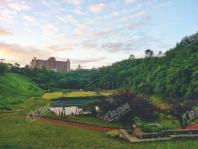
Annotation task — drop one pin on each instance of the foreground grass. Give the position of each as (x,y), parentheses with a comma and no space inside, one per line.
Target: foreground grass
(18,133)
(49,96)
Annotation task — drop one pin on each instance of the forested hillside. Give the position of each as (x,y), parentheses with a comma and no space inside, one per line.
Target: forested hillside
(171,75)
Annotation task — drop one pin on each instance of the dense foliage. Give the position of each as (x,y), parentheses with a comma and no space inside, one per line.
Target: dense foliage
(171,75)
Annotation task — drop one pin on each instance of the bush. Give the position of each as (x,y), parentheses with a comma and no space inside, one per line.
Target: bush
(113,133)
(139,107)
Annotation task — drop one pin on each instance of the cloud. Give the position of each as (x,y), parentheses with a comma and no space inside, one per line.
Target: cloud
(70,19)
(19,6)
(134,25)
(139,14)
(4,32)
(103,33)
(62,47)
(135,15)
(82,61)
(137,1)
(90,44)
(20,54)
(49,29)
(29,19)
(97,8)
(78,11)
(79,31)
(75,2)
(115,14)
(130,1)
(113,47)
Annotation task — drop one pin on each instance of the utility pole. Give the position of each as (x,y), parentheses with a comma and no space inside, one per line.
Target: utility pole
(35,102)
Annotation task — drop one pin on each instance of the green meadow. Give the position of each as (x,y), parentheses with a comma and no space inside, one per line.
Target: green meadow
(77,94)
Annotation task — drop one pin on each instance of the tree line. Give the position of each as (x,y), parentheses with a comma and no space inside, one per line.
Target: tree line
(173,74)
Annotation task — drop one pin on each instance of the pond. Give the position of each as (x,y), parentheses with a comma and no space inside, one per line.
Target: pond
(73,102)
(71,110)
(68,106)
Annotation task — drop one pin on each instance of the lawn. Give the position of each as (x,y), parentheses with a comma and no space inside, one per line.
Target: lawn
(49,96)
(18,133)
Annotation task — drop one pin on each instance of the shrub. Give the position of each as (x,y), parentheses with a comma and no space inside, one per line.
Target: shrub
(113,133)
(139,107)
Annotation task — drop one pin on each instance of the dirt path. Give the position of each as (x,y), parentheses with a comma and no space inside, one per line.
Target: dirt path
(75,124)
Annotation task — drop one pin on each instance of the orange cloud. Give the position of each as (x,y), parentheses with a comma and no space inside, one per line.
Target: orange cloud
(4,32)
(96,8)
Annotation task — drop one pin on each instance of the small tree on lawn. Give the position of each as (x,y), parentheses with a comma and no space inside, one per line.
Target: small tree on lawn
(139,107)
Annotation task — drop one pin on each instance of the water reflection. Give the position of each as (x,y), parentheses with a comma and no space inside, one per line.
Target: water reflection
(72,110)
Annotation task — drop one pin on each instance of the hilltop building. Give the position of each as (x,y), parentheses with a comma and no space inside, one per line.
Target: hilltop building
(51,63)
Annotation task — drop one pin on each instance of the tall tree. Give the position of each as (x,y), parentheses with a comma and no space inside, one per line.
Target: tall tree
(148,53)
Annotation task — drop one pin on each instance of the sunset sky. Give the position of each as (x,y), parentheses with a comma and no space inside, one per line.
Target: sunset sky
(92,33)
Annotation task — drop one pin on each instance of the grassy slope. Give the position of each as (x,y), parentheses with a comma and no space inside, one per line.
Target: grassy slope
(15,88)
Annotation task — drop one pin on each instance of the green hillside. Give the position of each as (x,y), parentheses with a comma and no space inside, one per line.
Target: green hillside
(171,75)
(15,88)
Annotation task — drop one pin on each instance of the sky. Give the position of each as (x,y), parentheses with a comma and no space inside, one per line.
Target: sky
(92,33)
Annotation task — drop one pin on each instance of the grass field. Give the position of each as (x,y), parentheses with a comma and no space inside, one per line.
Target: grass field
(49,96)
(17,133)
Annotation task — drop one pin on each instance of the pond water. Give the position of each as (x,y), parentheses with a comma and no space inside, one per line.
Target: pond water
(64,107)
(71,110)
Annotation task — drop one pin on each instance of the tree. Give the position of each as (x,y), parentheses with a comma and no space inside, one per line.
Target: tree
(131,57)
(17,65)
(139,106)
(3,68)
(160,53)
(148,53)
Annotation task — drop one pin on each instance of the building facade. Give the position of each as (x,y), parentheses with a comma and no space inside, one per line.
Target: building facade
(51,63)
